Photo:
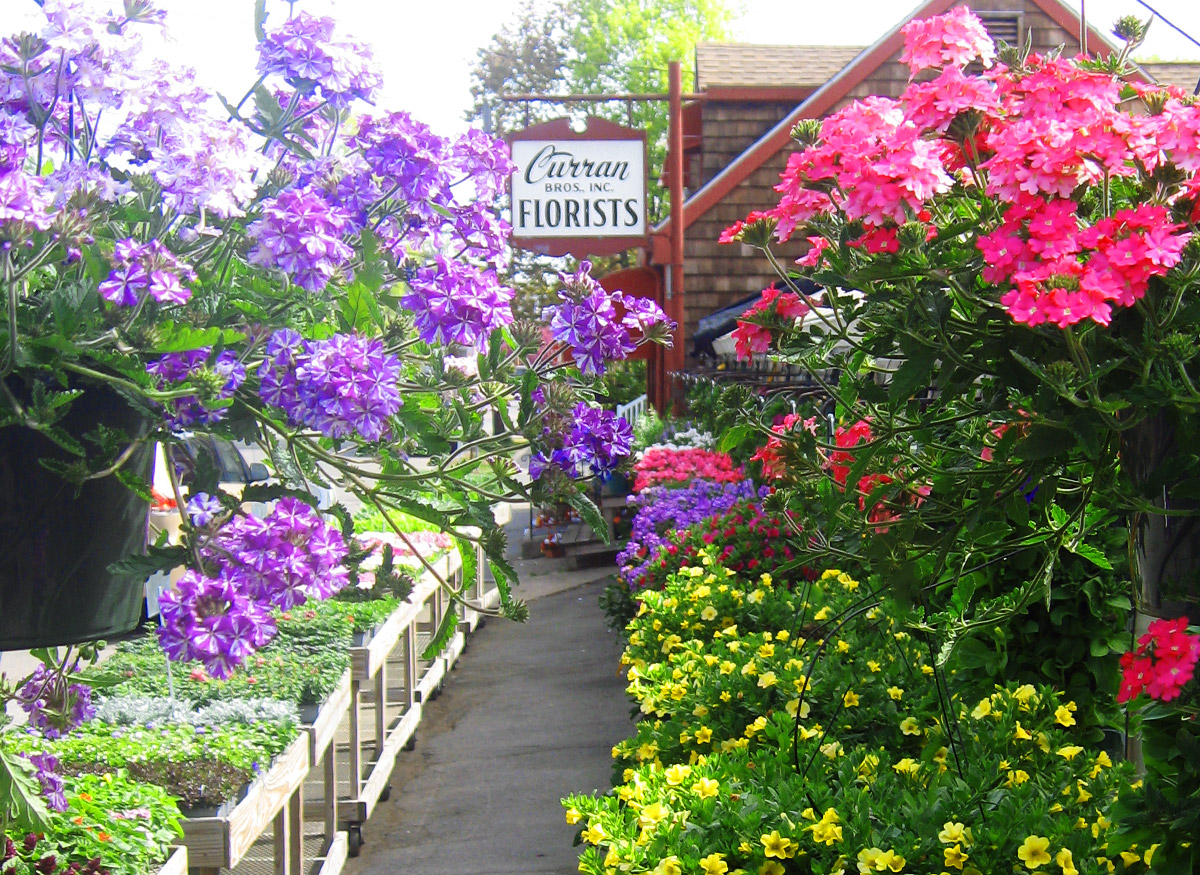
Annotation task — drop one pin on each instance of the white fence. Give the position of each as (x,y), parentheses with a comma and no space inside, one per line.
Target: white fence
(634,410)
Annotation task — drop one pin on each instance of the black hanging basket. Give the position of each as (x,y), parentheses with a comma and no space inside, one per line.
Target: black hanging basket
(57,541)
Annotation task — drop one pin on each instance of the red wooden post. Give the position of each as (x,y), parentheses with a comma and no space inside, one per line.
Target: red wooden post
(675,292)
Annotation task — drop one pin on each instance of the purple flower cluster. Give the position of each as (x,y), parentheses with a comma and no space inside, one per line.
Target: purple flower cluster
(303,51)
(340,386)
(46,765)
(452,302)
(595,443)
(53,703)
(225,374)
(23,206)
(587,320)
(661,512)
(300,233)
(278,562)
(138,268)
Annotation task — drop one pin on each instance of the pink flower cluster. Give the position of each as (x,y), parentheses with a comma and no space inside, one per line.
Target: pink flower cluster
(750,337)
(1164,661)
(773,454)
(665,467)
(1026,137)
(954,39)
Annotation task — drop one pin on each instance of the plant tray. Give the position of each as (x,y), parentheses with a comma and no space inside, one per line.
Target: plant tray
(221,842)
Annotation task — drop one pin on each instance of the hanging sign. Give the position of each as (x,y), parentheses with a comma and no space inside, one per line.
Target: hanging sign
(578,193)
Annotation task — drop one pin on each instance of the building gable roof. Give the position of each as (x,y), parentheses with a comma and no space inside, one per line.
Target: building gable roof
(746,65)
(825,98)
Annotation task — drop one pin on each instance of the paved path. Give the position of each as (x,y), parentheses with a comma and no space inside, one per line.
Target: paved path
(528,716)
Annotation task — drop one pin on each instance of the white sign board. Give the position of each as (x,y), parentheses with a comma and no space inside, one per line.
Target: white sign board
(579,188)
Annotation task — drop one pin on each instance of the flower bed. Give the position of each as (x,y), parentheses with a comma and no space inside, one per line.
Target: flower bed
(754,754)
(673,467)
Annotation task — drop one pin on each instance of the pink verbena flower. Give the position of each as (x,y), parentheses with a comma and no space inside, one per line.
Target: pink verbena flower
(1163,662)
(954,39)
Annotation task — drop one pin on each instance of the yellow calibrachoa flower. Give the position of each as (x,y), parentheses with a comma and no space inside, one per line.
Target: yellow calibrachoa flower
(794,707)
(1102,823)
(1066,862)
(955,856)
(873,666)
(766,679)
(783,635)
(907,766)
(850,700)
(1130,857)
(1150,853)
(700,711)
(896,693)
(750,668)
(1025,694)
(764,579)
(828,829)
(927,670)
(766,651)
(706,788)
(669,866)
(909,726)
(703,735)
(875,859)
(775,845)
(771,867)
(1063,715)
(677,774)
(708,614)
(983,709)
(843,646)
(954,833)
(1033,851)
(573,815)
(1021,733)
(1069,752)
(866,769)
(832,749)
(727,667)
(755,597)
(650,816)
(594,834)
(821,615)
(1016,778)
(713,864)
(1102,763)
(611,860)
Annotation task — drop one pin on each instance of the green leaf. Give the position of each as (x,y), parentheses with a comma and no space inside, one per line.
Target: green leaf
(911,376)
(21,794)
(156,559)
(442,637)
(260,20)
(1044,442)
(589,513)
(1091,554)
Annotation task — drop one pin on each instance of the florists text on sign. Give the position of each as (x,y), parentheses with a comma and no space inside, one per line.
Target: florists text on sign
(579,188)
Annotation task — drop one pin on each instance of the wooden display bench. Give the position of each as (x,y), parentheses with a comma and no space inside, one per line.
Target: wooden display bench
(322,755)
(221,842)
(176,864)
(392,655)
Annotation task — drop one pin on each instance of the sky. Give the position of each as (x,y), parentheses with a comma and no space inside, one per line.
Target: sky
(426,49)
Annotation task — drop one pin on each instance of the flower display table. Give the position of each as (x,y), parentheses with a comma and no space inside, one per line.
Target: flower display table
(176,864)
(221,842)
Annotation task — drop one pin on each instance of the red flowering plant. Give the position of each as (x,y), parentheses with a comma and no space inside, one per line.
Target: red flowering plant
(678,467)
(1014,245)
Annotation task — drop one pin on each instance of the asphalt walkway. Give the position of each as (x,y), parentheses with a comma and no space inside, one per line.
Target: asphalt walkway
(529,715)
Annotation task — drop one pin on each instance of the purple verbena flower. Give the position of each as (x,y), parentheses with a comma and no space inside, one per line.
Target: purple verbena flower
(343,385)
(203,508)
(661,513)
(46,765)
(54,704)
(303,51)
(223,376)
(455,303)
(300,233)
(150,267)
(587,321)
